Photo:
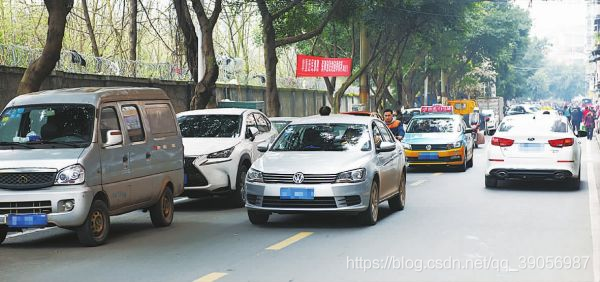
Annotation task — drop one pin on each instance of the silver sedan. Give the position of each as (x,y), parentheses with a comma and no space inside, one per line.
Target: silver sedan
(338,163)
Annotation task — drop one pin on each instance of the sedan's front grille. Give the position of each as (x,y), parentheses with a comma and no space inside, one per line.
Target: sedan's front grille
(27,180)
(195,178)
(308,178)
(25,207)
(434,147)
(316,203)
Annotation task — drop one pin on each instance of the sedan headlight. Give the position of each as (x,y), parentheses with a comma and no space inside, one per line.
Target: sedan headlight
(352,176)
(457,144)
(221,154)
(74,174)
(254,175)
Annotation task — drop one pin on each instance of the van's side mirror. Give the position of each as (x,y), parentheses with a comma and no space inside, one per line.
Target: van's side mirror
(263,147)
(386,147)
(469,131)
(251,133)
(113,137)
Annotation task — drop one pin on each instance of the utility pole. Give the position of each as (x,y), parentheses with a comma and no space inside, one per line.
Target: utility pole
(426,86)
(201,65)
(364,57)
(443,87)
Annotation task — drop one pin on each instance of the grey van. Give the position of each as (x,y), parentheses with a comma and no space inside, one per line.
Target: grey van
(74,157)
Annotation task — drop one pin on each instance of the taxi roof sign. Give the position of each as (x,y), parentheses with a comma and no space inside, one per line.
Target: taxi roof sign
(436,108)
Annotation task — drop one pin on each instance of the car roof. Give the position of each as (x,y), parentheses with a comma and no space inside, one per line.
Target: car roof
(339,118)
(90,95)
(217,111)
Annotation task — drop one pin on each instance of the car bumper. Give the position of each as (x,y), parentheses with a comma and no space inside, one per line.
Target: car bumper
(445,157)
(335,198)
(47,201)
(532,169)
(211,178)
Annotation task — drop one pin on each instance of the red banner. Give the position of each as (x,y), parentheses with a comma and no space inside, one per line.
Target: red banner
(311,66)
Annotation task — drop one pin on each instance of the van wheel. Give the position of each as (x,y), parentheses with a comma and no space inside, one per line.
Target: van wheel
(258,217)
(369,216)
(161,213)
(238,199)
(94,230)
(397,202)
(3,232)
(491,181)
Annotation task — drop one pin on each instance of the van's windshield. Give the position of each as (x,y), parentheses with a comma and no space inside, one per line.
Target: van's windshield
(47,126)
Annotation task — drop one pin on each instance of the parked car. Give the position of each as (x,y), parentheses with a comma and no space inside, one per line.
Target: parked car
(364,114)
(522,109)
(281,122)
(220,145)
(439,139)
(534,147)
(338,163)
(74,157)
(491,121)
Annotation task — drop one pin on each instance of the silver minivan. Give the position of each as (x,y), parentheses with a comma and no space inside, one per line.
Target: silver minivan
(74,157)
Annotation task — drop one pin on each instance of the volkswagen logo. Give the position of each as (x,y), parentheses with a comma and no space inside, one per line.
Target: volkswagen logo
(23,179)
(298,178)
(531,139)
(428,147)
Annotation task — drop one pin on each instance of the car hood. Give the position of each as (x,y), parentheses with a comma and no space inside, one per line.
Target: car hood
(314,162)
(431,138)
(204,146)
(39,158)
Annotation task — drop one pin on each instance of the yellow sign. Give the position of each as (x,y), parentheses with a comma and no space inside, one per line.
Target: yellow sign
(462,107)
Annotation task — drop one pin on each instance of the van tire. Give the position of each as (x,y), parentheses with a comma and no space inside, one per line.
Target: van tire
(258,217)
(96,227)
(238,199)
(3,232)
(161,213)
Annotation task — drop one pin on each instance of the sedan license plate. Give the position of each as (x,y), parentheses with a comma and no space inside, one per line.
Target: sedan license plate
(2,219)
(530,147)
(297,193)
(428,156)
(27,220)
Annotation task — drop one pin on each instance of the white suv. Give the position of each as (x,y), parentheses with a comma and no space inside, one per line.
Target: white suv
(220,145)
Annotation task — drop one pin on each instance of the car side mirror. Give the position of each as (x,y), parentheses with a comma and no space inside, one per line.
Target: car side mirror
(386,147)
(113,137)
(263,147)
(581,133)
(469,131)
(251,133)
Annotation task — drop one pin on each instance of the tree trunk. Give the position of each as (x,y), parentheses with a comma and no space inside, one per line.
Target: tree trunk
(133,30)
(90,28)
(190,38)
(270,56)
(37,72)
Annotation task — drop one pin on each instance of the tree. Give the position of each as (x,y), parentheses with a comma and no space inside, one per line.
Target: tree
(133,32)
(41,68)
(190,38)
(90,28)
(291,13)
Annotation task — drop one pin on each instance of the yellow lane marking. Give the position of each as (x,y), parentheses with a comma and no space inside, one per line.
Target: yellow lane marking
(211,277)
(289,241)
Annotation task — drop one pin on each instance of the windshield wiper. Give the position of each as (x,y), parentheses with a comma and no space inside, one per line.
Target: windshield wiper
(15,143)
(73,145)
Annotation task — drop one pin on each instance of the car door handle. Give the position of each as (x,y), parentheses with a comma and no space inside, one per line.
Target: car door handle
(148,155)
(125,158)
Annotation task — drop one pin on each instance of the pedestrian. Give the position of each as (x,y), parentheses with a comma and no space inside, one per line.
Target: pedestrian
(576,119)
(589,121)
(567,113)
(325,111)
(394,125)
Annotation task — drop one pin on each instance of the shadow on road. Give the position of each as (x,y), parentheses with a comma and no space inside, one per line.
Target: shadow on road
(196,205)
(512,185)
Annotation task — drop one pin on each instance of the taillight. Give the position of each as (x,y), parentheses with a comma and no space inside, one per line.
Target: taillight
(559,143)
(502,142)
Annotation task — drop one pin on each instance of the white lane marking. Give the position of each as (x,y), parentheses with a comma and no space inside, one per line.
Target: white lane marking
(594,215)
(30,232)
(418,182)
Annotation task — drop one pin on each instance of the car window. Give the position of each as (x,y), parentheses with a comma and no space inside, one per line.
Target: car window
(262,122)
(251,121)
(133,123)
(387,137)
(108,121)
(539,125)
(210,126)
(432,125)
(161,120)
(323,137)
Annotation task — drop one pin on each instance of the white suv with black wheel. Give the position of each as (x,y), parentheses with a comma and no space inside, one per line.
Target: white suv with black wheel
(220,145)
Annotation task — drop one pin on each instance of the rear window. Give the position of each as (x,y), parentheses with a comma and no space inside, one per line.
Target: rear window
(161,120)
(533,125)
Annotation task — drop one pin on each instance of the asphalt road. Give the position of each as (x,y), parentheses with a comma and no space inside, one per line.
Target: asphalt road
(453,229)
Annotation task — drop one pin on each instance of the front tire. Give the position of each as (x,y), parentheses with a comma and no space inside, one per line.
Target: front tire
(369,216)
(258,217)
(491,181)
(470,162)
(161,213)
(96,227)
(3,232)
(397,202)
(238,199)
(463,167)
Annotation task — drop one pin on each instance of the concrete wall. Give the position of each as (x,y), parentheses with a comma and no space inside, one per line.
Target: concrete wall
(294,102)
